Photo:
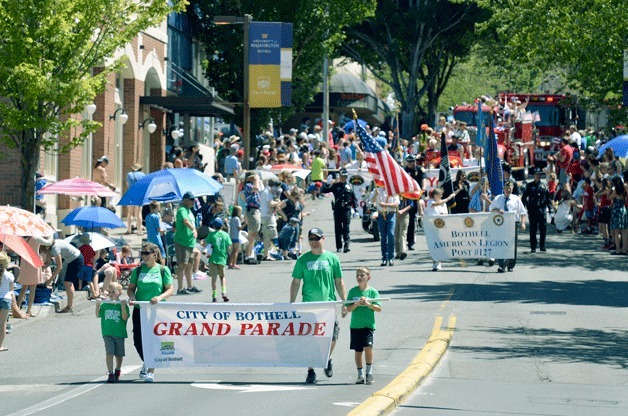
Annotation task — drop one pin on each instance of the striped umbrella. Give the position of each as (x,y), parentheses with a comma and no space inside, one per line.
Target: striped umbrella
(77,187)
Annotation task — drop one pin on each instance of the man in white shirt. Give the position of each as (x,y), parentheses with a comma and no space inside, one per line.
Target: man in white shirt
(269,199)
(512,203)
(575,136)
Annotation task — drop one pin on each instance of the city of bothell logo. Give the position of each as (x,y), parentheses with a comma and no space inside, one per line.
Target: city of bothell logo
(167,347)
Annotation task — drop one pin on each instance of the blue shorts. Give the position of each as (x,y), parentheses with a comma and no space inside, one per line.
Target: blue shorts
(5,304)
(86,273)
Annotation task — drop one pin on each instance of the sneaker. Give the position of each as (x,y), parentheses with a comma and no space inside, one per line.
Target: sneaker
(194,289)
(116,376)
(214,300)
(143,372)
(250,260)
(369,379)
(360,380)
(150,377)
(182,292)
(500,270)
(491,262)
(293,256)
(403,256)
(111,378)
(311,377)
(329,370)
(225,298)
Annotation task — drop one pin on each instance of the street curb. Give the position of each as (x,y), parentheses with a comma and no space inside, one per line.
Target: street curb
(387,399)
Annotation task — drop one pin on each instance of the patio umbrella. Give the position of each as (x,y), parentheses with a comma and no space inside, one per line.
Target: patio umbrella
(22,249)
(619,145)
(16,221)
(285,166)
(98,241)
(93,217)
(77,187)
(263,174)
(169,185)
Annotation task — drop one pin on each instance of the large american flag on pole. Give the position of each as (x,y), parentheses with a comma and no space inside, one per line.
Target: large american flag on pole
(385,170)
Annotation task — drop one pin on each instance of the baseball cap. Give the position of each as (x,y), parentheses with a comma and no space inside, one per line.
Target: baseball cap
(103,159)
(315,231)
(343,172)
(217,223)
(188,195)
(410,158)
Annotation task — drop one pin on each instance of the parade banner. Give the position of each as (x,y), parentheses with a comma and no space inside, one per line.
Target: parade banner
(237,335)
(431,180)
(471,236)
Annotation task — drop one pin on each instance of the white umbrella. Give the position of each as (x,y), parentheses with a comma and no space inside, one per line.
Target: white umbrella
(263,174)
(98,241)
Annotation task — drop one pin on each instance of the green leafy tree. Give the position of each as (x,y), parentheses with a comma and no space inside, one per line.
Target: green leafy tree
(400,43)
(319,27)
(48,49)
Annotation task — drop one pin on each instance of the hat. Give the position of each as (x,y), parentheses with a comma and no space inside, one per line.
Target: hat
(294,219)
(315,231)
(240,153)
(188,195)
(381,134)
(343,172)
(85,238)
(381,141)
(103,159)
(217,223)
(136,167)
(234,147)
(424,126)
(4,259)
(537,171)
(410,158)
(234,138)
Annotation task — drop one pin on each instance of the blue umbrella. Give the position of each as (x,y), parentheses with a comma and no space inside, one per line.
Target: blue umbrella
(93,217)
(169,185)
(350,126)
(619,145)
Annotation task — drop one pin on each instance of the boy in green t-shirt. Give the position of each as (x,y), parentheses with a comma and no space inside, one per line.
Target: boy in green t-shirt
(363,322)
(220,243)
(113,317)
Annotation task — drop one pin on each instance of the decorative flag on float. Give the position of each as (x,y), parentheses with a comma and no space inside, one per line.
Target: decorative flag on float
(494,170)
(385,170)
(444,175)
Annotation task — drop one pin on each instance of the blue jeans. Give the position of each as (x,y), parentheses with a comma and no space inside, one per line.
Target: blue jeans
(386,223)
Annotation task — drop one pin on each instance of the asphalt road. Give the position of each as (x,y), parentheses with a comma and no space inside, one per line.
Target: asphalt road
(547,339)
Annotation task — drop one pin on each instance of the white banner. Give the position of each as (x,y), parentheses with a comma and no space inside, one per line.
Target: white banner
(471,236)
(431,181)
(237,335)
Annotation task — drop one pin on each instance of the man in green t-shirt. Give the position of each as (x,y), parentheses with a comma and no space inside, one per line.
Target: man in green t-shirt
(320,272)
(184,243)
(318,172)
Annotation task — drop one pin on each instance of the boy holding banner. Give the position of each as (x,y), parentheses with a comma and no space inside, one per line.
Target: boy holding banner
(363,322)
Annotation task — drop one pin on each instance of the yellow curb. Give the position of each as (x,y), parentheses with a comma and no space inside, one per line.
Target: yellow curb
(387,399)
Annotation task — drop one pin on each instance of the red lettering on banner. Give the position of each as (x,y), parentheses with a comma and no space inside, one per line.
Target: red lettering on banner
(191,330)
(319,329)
(272,328)
(221,328)
(289,329)
(433,180)
(157,331)
(257,330)
(304,328)
(174,328)
(244,328)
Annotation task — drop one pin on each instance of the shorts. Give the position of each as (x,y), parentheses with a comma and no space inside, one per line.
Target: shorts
(86,273)
(563,177)
(183,253)
(5,304)
(361,338)
(114,345)
(73,270)
(269,225)
(216,270)
(588,214)
(254,220)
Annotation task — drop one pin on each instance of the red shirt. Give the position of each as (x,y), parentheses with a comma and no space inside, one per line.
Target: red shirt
(568,152)
(588,200)
(88,254)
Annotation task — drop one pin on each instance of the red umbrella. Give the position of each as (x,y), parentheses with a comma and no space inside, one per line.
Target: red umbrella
(285,166)
(22,249)
(77,187)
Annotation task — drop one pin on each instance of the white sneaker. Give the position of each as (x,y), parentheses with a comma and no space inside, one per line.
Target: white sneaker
(143,372)
(150,377)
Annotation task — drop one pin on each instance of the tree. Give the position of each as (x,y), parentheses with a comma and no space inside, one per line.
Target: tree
(48,49)
(319,27)
(400,38)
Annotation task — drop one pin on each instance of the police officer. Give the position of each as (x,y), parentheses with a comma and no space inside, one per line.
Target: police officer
(344,200)
(537,201)
(417,172)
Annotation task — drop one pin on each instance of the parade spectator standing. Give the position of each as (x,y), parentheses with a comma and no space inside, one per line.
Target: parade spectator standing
(195,159)
(184,243)
(321,274)
(232,164)
(362,325)
(565,156)
(537,201)
(62,251)
(99,174)
(235,226)
(150,282)
(31,276)
(386,207)
(619,216)
(318,173)
(346,155)
(269,200)
(510,202)
(417,172)
(575,136)
(113,319)
(87,270)
(153,227)
(6,296)
(251,192)
(344,201)
(134,211)
(220,243)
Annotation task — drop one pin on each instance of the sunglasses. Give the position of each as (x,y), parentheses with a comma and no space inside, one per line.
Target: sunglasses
(146,253)
(314,238)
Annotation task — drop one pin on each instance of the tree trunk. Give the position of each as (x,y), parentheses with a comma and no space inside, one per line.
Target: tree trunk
(29,161)
(407,122)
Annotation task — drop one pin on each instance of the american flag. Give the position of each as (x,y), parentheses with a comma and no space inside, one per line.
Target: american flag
(494,170)
(444,174)
(385,170)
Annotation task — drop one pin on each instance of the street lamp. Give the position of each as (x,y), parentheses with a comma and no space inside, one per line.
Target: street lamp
(91,109)
(123,117)
(246,109)
(151,126)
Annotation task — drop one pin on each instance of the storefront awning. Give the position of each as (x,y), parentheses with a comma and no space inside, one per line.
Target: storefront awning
(194,106)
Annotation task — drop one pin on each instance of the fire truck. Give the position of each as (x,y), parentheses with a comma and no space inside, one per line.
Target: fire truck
(552,114)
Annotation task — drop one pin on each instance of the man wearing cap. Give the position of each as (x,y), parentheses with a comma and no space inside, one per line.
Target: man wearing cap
(510,202)
(416,172)
(321,274)
(537,201)
(232,165)
(134,211)
(508,178)
(342,205)
(184,243)
(99,174)
(252,187)
(62,251)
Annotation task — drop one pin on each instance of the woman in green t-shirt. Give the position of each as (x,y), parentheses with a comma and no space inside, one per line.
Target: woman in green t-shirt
(150,282)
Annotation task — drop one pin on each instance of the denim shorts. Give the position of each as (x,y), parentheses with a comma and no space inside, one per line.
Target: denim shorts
(5,304)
